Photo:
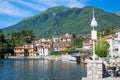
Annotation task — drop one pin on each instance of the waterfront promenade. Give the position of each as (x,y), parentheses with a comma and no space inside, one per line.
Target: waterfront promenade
(99,70)
(109,78)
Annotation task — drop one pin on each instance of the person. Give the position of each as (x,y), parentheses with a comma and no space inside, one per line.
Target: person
(114,70)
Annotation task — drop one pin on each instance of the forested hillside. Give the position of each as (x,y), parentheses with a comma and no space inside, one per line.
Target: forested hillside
(60,20)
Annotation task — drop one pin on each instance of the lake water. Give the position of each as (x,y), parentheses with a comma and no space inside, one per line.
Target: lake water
(31,69)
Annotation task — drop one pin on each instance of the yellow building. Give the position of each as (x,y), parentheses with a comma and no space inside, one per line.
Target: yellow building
(19,51)
(31,51)
(25,50)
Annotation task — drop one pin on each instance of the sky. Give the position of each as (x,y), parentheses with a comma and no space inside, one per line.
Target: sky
(13,11)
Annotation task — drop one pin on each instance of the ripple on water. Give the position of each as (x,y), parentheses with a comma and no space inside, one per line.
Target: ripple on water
(34,69)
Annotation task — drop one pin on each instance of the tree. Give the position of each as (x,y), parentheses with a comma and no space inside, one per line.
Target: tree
(3,45)
(15,39)
(1,36)
(76,41)
(106,31)
(20,38)
(101,48)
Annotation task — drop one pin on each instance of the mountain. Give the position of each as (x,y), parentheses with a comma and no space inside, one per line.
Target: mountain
(117,13)
(60,20)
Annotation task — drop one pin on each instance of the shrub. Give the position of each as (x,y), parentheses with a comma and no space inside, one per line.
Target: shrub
(101,48)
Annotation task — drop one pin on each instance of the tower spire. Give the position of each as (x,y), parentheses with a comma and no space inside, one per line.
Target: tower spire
(93,22)
(93,13)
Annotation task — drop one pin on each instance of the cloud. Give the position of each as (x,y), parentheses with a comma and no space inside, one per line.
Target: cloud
(69,3)
(75,3)
(24,8)
(41,5)
(49,3)
(29,4)
(9,9)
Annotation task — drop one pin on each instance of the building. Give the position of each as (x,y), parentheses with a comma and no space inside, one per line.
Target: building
(63,39)
(44,46)
(25,50)
(61,46)
(109,38)
(43,51)
(87,44)
(115,45)
(19,51)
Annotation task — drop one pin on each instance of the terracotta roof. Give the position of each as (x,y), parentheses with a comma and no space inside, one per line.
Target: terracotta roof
(46,42)
(19,47)
(108,36)
(43,47)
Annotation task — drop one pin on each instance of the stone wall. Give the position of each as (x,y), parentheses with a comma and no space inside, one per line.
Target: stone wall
(94,69)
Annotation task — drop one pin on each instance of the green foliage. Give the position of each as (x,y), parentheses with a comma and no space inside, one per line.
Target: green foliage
(57,52)
(76,42)
(67,20)
(20,38)
(1,36)
(106,31)
(84,55)
(101,48)
(70,50)
(3,45)
(13,39)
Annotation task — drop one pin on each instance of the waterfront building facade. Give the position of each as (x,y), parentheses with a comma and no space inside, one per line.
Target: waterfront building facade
(25,50)
(115,44)
(19,51)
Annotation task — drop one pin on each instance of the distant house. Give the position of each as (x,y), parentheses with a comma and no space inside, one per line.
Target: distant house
(43,51)
(19,51)
(62,39)
(30,49)
(68,35)
(115,44)
(87,44)
(61,43)
(57,43)
(45,40)
(61,46)
(44,46)
(56,47)
(25,50)
(64,47)
(108,38)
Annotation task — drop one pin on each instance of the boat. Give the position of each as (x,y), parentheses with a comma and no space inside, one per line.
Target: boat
(68,58)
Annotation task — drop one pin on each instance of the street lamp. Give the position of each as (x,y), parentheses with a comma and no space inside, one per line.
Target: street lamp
(94,34)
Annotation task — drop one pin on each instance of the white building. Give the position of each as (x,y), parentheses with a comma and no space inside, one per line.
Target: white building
(44,46)
(62,39)
(87,44)
(109,39)
(42,51)
(115,44)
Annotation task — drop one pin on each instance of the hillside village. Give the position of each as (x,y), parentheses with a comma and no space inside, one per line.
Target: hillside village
(43,46)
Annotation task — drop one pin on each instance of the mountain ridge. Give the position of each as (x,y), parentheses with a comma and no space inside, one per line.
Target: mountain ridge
(117,13)
(60,20)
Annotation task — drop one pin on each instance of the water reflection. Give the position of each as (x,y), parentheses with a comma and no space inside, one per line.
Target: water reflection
(40,70)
